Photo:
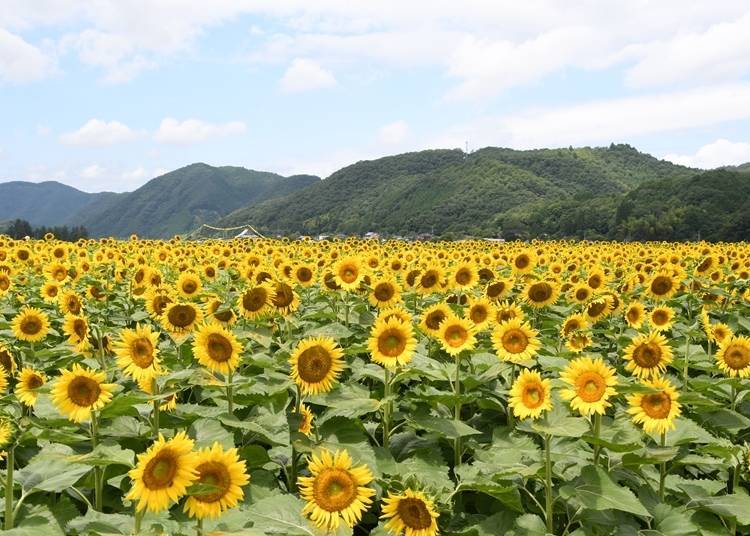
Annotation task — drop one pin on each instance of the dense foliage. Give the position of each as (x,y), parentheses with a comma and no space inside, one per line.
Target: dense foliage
(358,387)
(20,229)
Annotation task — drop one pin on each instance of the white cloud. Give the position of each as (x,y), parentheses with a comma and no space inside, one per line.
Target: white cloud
(193,130)
(393,133)
(98,132)
(607,120)
(305,75)
(92,172)
(721,152)
(21,61)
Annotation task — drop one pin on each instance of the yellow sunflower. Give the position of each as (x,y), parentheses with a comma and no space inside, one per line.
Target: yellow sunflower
(157,300)
(481,311)
(77,330)
(30,324)
(635,314)
(578,341)
(433,316)
(285,299)
(661,318)
(348,272)
(391,343)
(70,303)
(316,363)
(719,332)
(79,391)
(163,473)
(524,262)
(733,356)
(385,293)
(541,293)
(29,381)
(7,361)
(508,310)
(6,433)
(256,301)
(138,353)
(498,289)
(305,425)
(656,410)
(591,382)
(224,474)
(648,355)
(181,317)
(530,395)
(581,293)
(188,284)
(50,291)
(216,348)
(662,286)
(457,334)
(335,490)
(220,312)
(397,312)
(515,341)
(429,281)
(464,276)
(410,513)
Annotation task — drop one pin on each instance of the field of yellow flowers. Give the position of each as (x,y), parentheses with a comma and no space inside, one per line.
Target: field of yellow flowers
(363,387)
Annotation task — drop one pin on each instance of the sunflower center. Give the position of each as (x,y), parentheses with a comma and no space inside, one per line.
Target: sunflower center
(74,306)
(224,316)
(596,308)
(540,292)
(737,357)
(478,314)
(255,299)
(429,279)
(80,328)
(160,471)
(334,489)
(495,289)
(522,261)
(83,391)
(590,387)
(456,335)
(314,364)
(304,274)
(434,319)
(189,287)
(633,314)
(414,513)
(515,341)
(219,348)
(391,343)
(660,317)
(656,405)
(383,292)
(284,296)
(661,285)
(348,273)
(6,360)
(4,283)
(160,303)
(34,382)
(181,316)
(142,352)
(217,476)
(647,355)
(571,326)
(582,294)
(533,396)
(31,326)
(463,276)
(504,315)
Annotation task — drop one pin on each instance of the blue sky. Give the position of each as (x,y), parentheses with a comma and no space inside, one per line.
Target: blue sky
(106,95)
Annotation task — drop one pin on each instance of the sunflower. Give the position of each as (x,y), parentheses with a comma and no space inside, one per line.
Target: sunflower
(515,341)
(181,317)
(481,312)
(719,332)
(662,286)
(578,341)
(391,343)
(335,490)
(733,356)
(79,391)
(163,473)
(591,382)
(30,324)
(224,474)
(6,283)
(598,309)
(429,281)
(3,380)
(508,310)
(256,301)
(70,303)
(397,312)
(285,299)
(220,312)
(433,316)
(635,314)
(530,395)
(188,284)
(385,293)
(316,363)
(661,318)
(410,513)
(648,355)
(464,276)
(157,300)
(77,330)
(304,274)
(216,348)
(138,353)
(457,334)
(656,410)
(29,381)
(573,323)
(7,361)
(348,273)
(498,289)
(6,432)
(524,262)
(169,403)
(581,293)
(541,293)
(305,425)
(50,292)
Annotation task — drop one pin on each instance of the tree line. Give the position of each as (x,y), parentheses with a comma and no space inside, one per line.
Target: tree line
(19,229)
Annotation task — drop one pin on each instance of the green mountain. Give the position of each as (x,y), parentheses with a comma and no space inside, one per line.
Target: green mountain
(490,192)
(44,203)
(181,200)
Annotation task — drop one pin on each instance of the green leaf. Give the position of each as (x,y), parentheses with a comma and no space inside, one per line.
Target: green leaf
(280,515)
(208,431)
(123,404)
(448,428)
(104,455)
(50,474)
(736,505)
(597,491)
(257,431)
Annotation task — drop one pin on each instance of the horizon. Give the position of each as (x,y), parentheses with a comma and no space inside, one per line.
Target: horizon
(111,95)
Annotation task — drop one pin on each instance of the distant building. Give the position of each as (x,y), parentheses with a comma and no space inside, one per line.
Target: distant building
(247,233)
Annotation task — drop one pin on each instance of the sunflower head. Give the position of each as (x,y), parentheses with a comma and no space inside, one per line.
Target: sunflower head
(433,316)
(591,383)
(79,391)
(647,356)
(661,318)
(392,343)
(733,356)
(137,352)
(216,348)
(515,341)
(457,334)
(256,301)
(541,293)
(634,314)
(530,395)
(223,475)
(30,324)
(386,292)
(410,512)
(316,364)
(656,409)
(181,317)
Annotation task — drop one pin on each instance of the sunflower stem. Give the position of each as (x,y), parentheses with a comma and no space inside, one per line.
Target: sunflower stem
(511,417)
(457,413)
(230,399)
(662,469)
(387,408)
(9,488)
(138,520)
(548,483)
(733,395)
(199,527)
(295,460)
(597,432)
(155,420)
(686,366)
(97,470)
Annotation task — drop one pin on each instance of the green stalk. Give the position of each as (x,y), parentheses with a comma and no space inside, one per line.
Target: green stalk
(548,484)
(97,470)
(511,417)
(597,431)
(295,461)
(9,489)
(230,400)
(387,408)
(199,527)
(155,420)
(662,469)
(457,412)
(686,366)
(138,519)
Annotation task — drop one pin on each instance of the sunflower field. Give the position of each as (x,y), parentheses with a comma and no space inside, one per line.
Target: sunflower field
(361,387)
